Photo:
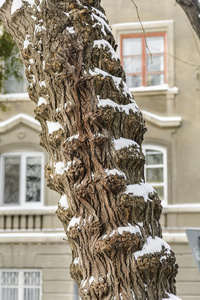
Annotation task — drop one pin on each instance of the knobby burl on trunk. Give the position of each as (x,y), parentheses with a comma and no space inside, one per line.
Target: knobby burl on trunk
(93,130)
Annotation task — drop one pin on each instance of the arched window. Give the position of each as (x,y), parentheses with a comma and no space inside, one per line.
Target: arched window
(21,178)
(156,169)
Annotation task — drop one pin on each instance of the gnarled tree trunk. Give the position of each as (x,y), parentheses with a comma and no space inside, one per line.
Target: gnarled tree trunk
(93,130)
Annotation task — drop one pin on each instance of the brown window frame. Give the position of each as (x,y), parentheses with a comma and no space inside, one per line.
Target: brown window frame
(145,53)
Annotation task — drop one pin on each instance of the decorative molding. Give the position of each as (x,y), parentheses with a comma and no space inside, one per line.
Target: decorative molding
(182,208)
(19,119)
(32,237)
(160,121)
(156,90)
(14,97)
(34,210)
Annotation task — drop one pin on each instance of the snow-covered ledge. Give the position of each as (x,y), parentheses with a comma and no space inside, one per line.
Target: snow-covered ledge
(14,97)
(154,90)
(182,208)
(160,121)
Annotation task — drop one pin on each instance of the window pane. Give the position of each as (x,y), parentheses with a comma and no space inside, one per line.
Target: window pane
(155,44)
(132,64)
(156,63)
(154,175)
(31,285)
(12,180)
(9,284)
(12,85)
(160,191)
(155,79)
(31,294)
(154,157)
(133,80)
(33,179)
(132,46)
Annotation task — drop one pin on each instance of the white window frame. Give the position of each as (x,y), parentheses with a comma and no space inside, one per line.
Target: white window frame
(20,282)
(22,188)
(151,27)
(163,150)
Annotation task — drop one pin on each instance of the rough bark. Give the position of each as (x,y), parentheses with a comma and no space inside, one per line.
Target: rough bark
(93,130)
(192,10)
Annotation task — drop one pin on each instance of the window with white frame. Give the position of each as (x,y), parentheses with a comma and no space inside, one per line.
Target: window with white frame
(156,169)
(22,178)
(20,284)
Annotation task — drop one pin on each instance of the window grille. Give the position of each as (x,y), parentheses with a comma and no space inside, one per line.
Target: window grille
(20,284)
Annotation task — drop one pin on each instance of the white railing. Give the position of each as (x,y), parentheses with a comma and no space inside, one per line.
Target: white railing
(28,219)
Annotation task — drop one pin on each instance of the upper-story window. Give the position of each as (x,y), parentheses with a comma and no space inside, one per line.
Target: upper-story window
(147,70)
(21,178)
(144,66)
(23,284)
(156,169)
(12,85)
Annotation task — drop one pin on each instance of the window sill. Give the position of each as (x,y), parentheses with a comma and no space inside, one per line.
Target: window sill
(163,89)
(182,208)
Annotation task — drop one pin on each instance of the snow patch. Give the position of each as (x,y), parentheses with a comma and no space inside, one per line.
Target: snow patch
(42,83)
(63,202)
(26,42)
(41,101)
(91,280)
(141,190)
(152,246)
(17,4)
(76,136)
(53,126)
(76,261)
(39,28)
(115,172)
(172,297)
(74,221)
(123,108)
(2,2)
(99,13)
(59,167)
(103,43)
(71,29)
(117,80)
(121,230)
(122,143)
(102,23)
(67,14)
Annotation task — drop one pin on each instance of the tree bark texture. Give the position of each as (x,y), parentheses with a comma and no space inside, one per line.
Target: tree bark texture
(92,130)
(192,10)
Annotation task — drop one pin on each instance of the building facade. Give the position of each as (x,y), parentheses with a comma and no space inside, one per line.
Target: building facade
(161,59)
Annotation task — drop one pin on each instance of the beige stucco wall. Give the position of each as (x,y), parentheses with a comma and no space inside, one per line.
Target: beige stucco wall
(54,260)
(183,143)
